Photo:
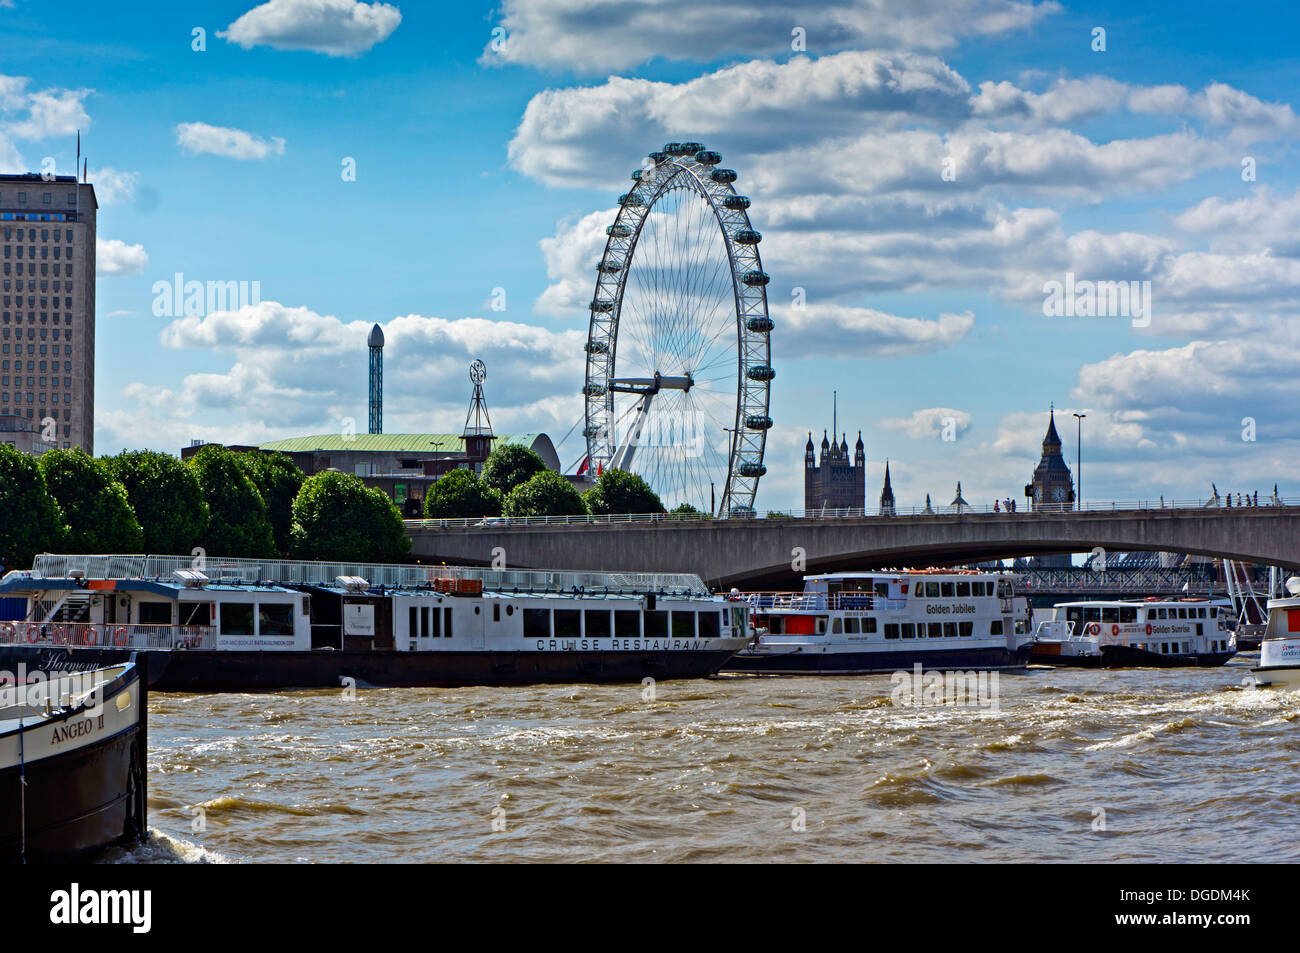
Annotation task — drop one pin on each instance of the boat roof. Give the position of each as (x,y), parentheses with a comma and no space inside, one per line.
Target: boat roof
(1182,603)
(164,574)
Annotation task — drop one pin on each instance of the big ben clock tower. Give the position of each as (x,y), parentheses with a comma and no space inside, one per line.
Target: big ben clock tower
(1052,486)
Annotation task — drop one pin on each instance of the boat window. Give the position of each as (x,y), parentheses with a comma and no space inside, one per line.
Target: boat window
(627,623)
(683,625)
(412,621)
(1074,614)
(446,623)
(196,613)
(882,590)
(936,630)
(963,589)
(950,630)
(1110,614)
(567,623)
(738,617)
(710,625)
(821,625)
(909,630)
(537,623)
(947,589)
(919,590)
(932,590)
(852,626)
(274,619)
(977,589)
(597,624)
(433,622)
(1200,613)
(836,627)
(966,628)
(891,630)
(1128,613)
(656,624)
(1182,613)
(155,613)
(236,618)
(1091,614)
(496,612)
(995,627)
(1160,613)
(776,625)
(869,624)
(1005,590)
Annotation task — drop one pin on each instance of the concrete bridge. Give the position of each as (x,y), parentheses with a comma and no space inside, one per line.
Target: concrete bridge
(763,552)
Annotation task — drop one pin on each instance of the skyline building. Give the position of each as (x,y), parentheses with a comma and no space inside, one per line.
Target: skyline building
(47,306)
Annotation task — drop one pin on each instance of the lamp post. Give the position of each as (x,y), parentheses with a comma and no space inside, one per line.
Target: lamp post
(1078,461)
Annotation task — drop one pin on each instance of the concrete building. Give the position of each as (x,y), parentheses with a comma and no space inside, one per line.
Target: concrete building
(19,433)
(47,318)
(833,482)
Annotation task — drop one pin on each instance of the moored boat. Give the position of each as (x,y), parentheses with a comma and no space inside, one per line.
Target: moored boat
(241,624)
(1156,633)
(862,622)
(1279,650)
(72,761)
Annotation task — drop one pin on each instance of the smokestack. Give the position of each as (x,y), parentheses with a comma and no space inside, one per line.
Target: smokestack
(376,344)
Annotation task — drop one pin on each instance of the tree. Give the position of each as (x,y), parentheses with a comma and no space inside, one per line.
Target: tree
(510,466)
(686,511)
(461,494)
(238,523)
(338,518)
(95,506)
(278,480)
(546,494)
(166,497)
(618,491)
(30,519)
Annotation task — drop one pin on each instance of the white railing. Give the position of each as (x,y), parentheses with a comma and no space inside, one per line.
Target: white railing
(1044,510)
(83,634)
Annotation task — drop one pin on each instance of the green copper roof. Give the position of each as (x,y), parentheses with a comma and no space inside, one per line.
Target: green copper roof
(389,442)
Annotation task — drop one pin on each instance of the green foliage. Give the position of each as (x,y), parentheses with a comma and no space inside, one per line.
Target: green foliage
(30,520)
(777,515)
(166,497)
(95,505)
(686,511)
(618,491)
(546,494)
(461,494)
(338,518)
(278,480)
(238,523)
(510,466)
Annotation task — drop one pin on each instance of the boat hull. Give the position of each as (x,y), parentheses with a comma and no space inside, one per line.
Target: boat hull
(1128,656)
(1281,677)
(221,671)
(868,663)
(79,801)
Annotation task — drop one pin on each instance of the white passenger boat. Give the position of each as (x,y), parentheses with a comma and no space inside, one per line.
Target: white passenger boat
(860,622)
(241,624)
(1120,634)
(1279,650)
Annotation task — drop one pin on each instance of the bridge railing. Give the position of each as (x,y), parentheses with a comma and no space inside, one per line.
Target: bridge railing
(1047,509)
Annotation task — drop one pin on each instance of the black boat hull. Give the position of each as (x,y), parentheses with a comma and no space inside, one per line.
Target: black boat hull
(77,802)
(1127,656)
(220,671)
(867,663)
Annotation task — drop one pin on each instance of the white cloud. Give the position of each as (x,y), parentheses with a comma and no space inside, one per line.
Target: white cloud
(198,137)
(594,35)
(52,112)
(113,186)
(333,27)
(930,422)
(114,257)
(830,329)
(295,371)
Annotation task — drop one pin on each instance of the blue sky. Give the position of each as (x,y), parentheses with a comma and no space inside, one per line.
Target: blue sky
(479,169)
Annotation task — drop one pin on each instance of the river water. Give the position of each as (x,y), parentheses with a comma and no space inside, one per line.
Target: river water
(1070,765)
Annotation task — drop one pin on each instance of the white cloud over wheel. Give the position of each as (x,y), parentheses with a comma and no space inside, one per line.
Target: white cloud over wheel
(333,27)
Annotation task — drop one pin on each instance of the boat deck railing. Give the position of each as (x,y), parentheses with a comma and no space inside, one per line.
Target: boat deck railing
(77,634)
(293,572)
(809,601)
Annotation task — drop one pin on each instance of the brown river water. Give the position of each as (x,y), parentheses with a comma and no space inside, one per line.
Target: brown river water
(1073,765)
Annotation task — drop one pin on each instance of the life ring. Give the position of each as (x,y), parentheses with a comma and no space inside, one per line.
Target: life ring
(1148,628)
(90,636)
(1093,628)
(1114,629)
(120,637)
(33,634)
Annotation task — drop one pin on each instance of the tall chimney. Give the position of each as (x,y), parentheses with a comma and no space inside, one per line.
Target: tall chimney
(376,344)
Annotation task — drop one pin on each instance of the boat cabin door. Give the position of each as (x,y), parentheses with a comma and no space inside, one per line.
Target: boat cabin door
(478,625)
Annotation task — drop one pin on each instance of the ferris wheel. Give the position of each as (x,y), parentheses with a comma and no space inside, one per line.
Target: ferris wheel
(679,368)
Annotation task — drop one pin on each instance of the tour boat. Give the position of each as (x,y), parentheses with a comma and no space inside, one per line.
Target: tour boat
(1158,633)
(1279,650)
(860,622)
(238,624)
(72,761)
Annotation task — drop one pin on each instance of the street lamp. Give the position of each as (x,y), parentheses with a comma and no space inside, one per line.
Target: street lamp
(1078,462)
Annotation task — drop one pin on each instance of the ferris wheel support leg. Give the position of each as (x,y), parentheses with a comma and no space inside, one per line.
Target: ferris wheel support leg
(622,458)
